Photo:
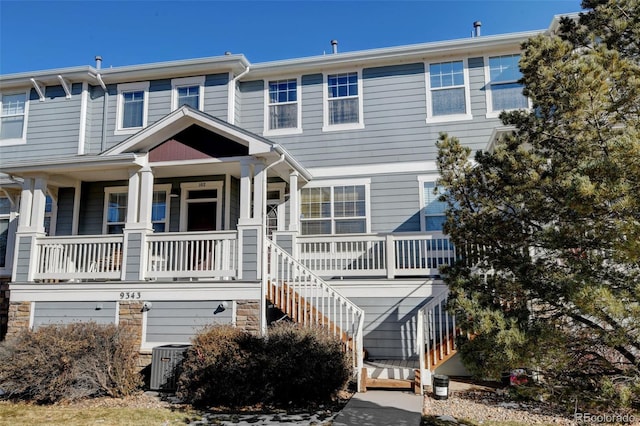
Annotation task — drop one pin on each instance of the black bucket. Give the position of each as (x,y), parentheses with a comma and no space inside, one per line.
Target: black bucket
(440,386)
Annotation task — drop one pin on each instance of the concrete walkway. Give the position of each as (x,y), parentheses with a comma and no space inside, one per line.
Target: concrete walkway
(381,408)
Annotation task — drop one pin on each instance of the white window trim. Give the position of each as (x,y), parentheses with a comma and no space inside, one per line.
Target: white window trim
(287,131)
(467,94)
(187,82)
(487,84)
(125,189)
(108,190)
(366,182)
(166,188)
(125,88)
(22,140)
(421,181)
(326,127)
(280,211)
(185,187)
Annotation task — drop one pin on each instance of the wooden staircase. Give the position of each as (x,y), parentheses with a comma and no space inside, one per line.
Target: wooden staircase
(308,300)
(437,332)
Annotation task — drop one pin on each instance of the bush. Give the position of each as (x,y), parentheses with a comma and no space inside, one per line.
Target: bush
(304,364)
(294,366)
(69,362)
(222,367)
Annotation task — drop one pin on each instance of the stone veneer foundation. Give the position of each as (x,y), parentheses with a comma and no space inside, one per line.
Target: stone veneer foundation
(18,318)
(248,315)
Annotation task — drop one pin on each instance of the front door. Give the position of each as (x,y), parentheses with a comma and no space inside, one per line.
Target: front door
(201,206)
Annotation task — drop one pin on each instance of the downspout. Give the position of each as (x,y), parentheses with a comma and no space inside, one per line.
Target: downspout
(265,255)
(231,97)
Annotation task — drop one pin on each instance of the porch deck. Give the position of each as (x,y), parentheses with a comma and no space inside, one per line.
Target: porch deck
(216,254)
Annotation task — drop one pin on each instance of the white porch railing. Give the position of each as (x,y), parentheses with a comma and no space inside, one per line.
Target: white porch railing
(192,254)
(391,255)
(76,258)
(309,300)
(436,333)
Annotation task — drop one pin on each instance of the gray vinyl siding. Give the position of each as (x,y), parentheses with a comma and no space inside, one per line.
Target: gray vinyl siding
(95,112)
(215,95)
(53,126)
(64,220)
(23,254)
(249,254)
(390,325)
(238,104)
(252,98)
(133,256)
(179,321)
(394,110)
(395,203)
(68,312)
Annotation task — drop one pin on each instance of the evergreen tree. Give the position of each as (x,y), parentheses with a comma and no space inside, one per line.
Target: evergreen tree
(548,222)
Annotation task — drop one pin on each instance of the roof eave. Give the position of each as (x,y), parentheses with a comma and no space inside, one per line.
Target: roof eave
(393,54)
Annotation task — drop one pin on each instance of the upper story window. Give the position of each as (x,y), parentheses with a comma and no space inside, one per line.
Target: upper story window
(433,210)
(115,209)
(343,101)
(283,107)
(132,107)
(13,117)
(334,209)
(187,91)
(448,92)
(504,92)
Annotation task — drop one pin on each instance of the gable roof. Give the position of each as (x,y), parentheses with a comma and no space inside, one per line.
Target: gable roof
(182,119)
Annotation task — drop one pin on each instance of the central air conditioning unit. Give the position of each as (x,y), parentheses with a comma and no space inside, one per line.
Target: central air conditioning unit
(165,366)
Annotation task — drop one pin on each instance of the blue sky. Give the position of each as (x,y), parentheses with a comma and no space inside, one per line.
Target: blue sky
(36,35)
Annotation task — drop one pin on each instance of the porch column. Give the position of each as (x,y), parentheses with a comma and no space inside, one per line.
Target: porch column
(259,184)
(31,227)
(294,202)
(26,201)
(132,197)
(39,203)
(146,197)
(245,191)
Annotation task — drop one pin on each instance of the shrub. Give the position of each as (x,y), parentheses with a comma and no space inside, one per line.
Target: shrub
(294,366)
(304,364)
(69,362)
(222,367)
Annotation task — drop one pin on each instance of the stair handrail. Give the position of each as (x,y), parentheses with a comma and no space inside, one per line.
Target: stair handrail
(302,280)
(428,335)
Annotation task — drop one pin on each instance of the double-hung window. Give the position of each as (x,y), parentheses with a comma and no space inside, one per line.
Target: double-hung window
(448,93)
(283,107)
(433,210)
(343,102)
(132,107)
(187,91)
(505,92)
(13,117)
(336,209)
(115,209)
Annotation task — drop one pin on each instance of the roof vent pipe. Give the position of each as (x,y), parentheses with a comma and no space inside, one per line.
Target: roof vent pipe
(334,46)
(98,62)
(476,27)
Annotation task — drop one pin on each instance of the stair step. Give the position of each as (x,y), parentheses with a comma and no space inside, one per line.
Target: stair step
(368,382)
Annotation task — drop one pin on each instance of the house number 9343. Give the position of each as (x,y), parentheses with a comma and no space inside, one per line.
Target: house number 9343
(130,295)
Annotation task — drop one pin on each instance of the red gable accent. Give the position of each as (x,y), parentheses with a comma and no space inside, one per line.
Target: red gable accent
(172,150)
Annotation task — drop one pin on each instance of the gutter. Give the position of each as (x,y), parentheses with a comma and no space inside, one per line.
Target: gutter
(293,162)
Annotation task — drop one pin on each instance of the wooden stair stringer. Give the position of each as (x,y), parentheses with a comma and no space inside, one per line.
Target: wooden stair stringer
(310,314)
(448,351)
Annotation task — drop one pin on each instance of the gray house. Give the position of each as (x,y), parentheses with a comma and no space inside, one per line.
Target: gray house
(167,196)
